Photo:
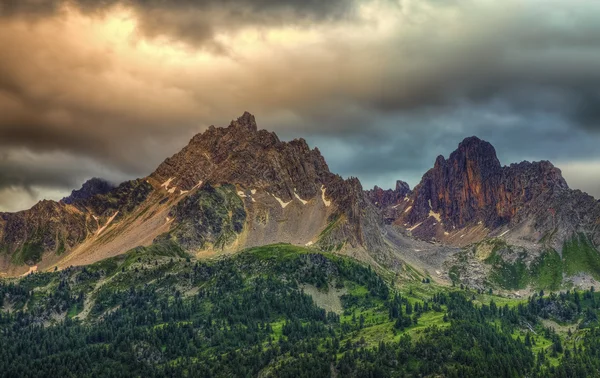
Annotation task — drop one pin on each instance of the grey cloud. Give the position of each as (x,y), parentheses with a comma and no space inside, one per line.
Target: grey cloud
(196,22)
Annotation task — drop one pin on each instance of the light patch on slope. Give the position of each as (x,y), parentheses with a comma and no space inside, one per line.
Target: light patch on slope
(406,199)
(300,199)
(408,209)
(107,223)
(197,185)
(504,233)
(308,244)
(415,226)
(181,192)
(395,206)
(430,204)
(435,215)
(31,270)
(241,194)
(167,183)
(323,190)
(172,190)
(446,233)
(253,191)
(283,204)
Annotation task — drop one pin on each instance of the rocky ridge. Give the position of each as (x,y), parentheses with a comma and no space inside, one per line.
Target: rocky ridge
(229,188)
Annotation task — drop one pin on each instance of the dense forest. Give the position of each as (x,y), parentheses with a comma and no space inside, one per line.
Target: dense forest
(156,312)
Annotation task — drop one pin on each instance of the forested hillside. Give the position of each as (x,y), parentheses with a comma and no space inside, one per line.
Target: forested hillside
(157,312)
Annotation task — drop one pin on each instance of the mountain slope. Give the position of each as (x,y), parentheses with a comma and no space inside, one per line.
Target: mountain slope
(521,225)
(228,189)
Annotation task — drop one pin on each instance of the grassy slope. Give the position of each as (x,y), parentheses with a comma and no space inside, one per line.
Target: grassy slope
(543,273)
(580,256)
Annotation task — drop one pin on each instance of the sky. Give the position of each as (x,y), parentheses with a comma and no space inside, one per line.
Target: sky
(111,88)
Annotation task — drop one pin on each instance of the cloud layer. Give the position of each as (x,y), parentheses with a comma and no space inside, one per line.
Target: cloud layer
(111,88)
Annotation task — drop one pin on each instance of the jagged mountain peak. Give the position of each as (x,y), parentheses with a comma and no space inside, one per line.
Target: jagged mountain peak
(241,154)
(90,188)
(472,190)
(473,154)
(247,121)
(402,186)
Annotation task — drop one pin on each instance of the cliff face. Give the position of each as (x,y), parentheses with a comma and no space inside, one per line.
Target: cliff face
(472,186)
(471,190)
(241,154)
(384,198)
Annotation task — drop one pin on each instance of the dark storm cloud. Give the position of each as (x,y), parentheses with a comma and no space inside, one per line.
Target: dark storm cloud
(196,21)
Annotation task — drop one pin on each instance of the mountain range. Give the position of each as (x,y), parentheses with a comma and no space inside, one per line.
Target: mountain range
(469,220)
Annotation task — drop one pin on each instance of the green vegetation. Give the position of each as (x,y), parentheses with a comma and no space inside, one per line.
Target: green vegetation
(512,268)
(580,256)
(211,215)
(156,312)
(546,271)
(506,274)
(30,253)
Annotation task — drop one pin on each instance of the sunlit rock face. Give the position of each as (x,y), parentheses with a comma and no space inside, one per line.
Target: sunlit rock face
(472,191)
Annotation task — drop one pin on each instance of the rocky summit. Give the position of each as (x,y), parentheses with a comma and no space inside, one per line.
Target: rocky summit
(471,196)
(229,188)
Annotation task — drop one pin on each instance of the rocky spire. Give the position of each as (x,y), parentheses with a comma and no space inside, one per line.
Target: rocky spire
(472,186)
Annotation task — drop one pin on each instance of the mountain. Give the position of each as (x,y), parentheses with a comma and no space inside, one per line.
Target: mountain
(520,225)
(388,200)
(358,283)
(470,196)
(470,219)
(228,189)
(287,192)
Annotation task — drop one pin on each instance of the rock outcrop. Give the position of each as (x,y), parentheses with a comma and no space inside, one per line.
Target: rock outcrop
(472,191)
(90,188)
(384,198)
(287,187)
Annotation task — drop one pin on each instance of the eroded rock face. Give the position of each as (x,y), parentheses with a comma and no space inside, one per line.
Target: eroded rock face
(472,186)
(243,155)
(384,198)
(58,227)
(47,226)
(472,189)
(256,160)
